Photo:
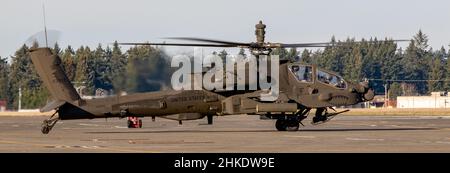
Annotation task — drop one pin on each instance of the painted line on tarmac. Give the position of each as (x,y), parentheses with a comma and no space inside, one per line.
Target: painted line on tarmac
(294,136)
(364,139)
(116,149)
(415,117)
(91,125)
(354,124)
(442,142)
(380,126)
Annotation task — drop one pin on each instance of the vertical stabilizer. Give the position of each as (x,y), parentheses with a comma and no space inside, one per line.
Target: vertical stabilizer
(48,66)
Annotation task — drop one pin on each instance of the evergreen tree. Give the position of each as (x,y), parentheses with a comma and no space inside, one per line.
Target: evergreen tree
(306,57)
(395,90)
(415,62)
(353,61)
(242,52)
(147,69)
(447,74)
(392,62)
(281,52)
(85,72)
(223,55)
(4,80)
(56,49)
(292,55)
(102,69)
(69,63)
(118,68)
(23,75)
(18,75)
(437,71)
(315,57)
(372,66)
(332,57)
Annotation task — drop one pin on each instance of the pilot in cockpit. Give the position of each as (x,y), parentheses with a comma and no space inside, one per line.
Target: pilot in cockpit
(295,69)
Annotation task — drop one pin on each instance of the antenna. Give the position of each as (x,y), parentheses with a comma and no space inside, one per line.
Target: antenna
(45,25)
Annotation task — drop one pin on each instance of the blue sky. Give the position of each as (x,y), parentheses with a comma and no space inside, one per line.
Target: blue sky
(89,22)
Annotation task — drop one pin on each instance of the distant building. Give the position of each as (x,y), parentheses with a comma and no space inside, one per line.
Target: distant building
(436,100)
(2,105)
(378,101)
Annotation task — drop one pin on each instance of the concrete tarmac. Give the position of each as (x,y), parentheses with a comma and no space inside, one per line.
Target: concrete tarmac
(239,133)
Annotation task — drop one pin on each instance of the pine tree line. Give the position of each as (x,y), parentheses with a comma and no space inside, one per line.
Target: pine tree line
(140,69)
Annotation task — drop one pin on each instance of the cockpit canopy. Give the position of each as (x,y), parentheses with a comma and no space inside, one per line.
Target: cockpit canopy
(304,73)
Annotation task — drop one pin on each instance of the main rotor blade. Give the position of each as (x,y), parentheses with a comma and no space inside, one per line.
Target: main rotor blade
(208,40)
(53,37)
(378,41)
(179,44)
(331,44)
(305,45)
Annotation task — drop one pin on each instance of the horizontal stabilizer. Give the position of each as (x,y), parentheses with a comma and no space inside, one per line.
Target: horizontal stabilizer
(52,105)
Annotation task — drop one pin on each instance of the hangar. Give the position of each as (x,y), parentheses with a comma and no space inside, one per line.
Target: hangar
(436,100)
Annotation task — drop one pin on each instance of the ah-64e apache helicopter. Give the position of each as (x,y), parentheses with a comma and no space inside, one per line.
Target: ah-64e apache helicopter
(302,87)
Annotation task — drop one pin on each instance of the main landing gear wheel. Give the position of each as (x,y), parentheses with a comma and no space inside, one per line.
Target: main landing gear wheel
(280,124)
(292,125)
(287,125)
(292,122)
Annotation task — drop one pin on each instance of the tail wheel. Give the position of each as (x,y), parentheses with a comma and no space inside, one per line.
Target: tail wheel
(140,123)
(48,124)
(45,129)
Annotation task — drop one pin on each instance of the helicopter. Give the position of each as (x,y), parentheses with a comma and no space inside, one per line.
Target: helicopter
(302,87)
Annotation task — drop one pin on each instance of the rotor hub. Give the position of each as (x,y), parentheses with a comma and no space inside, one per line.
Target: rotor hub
(260,32)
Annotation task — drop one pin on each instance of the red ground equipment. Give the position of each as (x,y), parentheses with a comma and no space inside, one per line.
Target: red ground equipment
(134,122)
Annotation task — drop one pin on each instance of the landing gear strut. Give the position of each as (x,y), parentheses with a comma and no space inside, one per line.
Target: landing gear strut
(292,122)
(210,119)
(48,124)
(322,115)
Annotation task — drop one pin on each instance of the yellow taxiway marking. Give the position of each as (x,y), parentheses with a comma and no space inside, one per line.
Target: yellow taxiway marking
(116,149)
